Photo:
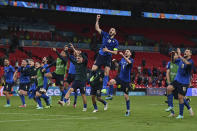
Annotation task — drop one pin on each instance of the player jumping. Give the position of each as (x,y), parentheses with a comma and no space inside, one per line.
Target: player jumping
(124,77)
(80,63)
(109,47)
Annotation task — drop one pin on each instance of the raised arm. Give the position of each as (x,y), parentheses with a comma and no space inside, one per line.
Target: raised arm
(97,24)
(61,57)
(127,59)
(74,50)
(182,58)
(69,56)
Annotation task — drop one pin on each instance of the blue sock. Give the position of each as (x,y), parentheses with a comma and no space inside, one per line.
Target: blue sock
(63,94)
(105,81)
(39,101)
(186,103)
(22,99)
(65,100)
(95,106)
(104,102)
(84,105)
(128,105)
(172,111)
(75,98)
(46,99)
(8,102)
(111,90)
(181,108)
(170,100)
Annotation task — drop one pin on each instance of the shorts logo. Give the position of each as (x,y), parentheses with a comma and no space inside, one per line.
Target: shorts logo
(61,82)
(182,66)
(109,41)
(184,89)
(98,91)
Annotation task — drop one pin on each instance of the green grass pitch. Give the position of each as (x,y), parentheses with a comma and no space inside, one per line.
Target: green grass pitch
(147,114)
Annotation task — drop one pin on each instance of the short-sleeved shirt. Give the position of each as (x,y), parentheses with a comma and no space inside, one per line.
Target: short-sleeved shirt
(24,77)
(8,73)
(110,43)
(125,72)
(184,72)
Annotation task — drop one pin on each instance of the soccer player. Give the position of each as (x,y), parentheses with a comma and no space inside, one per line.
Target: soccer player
(24,81)
(32,74)
(96,82)
(80,63)
(71,77)
(58,74)
(109,47)
(9,81)
(172,68)
(124,77)
(42,86)
(181,81)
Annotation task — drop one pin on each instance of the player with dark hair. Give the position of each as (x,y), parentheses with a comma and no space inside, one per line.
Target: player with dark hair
(124,78)
(109,47)
(42,86)
(71,75)
(96,82)
(58,74)
(181,81)
(24,81)
(80,63)
(9,81)
(171,72)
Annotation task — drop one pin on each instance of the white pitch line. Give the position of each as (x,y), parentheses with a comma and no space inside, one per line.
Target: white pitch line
(35,114)
(82,118)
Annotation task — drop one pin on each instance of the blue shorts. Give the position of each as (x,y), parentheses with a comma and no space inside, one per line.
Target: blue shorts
(102,60)
(181,88)
(24,86)
(8,87)
(79,85)
(124,85)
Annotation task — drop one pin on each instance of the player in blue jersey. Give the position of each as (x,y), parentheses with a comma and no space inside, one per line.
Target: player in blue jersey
(24,81)
(108,48)
(71,75)
(172,68)
(9,81)
(124,77)
(181,81)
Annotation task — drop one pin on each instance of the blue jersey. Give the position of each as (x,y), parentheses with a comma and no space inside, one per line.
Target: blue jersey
(24,77)
(45,78)
(125,72)
(72,67)
(184,72)
(9,73)
(110,43)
